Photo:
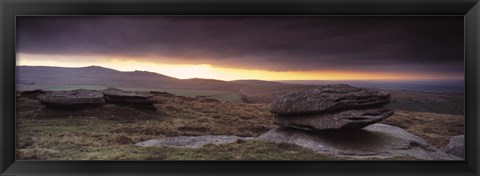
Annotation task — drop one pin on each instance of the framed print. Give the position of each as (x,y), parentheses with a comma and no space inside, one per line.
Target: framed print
(254,87)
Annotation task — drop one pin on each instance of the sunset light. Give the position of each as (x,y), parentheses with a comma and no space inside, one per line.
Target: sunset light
(209,71)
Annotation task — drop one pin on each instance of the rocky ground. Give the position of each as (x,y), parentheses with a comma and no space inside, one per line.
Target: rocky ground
(110,131)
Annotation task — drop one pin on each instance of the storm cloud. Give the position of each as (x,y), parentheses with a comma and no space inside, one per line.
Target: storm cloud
(278,43)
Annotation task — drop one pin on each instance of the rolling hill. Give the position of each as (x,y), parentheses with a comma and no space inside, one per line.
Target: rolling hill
(41,77)
(95,77)
(247,91)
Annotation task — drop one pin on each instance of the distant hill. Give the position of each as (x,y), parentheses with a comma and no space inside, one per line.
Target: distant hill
(259,82)
(33,77)
(40,77)
(45,77)
(95,77)
(250,91)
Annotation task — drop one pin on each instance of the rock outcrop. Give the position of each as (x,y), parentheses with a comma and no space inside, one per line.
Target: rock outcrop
(133,99)
(75,99)
(341,120)
(456,146)
(78,99)
(32,93)
(377,141)
(337,106)
(163,94)
(191,141)
(329,98)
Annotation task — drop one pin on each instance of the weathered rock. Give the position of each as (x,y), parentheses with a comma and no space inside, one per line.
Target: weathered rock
(191,141)
(204,99)
(350,119)
(121,96)
(75,99)
(329,98)
(456,146)
(163,94)
(134,99)
(31,93)
(375,141)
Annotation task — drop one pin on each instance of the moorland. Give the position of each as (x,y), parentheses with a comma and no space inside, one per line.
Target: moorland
(190,107)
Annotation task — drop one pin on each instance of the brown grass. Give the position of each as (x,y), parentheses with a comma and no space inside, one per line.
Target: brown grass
(437,129)
(87,134)
(110,132)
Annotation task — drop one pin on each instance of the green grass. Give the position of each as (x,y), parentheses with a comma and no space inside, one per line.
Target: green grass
(110,132)
(77,138)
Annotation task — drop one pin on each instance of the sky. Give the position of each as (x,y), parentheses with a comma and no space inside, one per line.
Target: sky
(250,47)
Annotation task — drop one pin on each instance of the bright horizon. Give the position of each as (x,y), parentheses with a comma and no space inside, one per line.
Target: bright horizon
(209,71)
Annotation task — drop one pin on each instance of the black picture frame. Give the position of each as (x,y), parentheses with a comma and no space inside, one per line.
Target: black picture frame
(9,9)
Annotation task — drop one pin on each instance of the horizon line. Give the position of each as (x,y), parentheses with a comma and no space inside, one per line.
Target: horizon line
(420,79)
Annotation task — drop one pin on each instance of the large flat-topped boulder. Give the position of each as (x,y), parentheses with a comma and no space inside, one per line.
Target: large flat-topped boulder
(350,119)
(329,98)
(134,99)
(377,141)
(74,99)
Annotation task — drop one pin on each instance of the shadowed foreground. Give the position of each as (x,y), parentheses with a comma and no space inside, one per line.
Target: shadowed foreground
(110,132)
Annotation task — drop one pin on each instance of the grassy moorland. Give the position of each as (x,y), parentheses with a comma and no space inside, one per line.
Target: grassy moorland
(110,132)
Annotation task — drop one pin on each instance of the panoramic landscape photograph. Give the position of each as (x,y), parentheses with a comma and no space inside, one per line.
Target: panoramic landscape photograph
(240,88)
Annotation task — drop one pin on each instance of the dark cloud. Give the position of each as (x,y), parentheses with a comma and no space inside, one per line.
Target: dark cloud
(388,43)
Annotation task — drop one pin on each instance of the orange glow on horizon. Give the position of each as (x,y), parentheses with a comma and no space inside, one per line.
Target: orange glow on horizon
(186,71)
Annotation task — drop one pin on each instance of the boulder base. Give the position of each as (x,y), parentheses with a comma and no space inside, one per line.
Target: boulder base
(350,119)
(375,141)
